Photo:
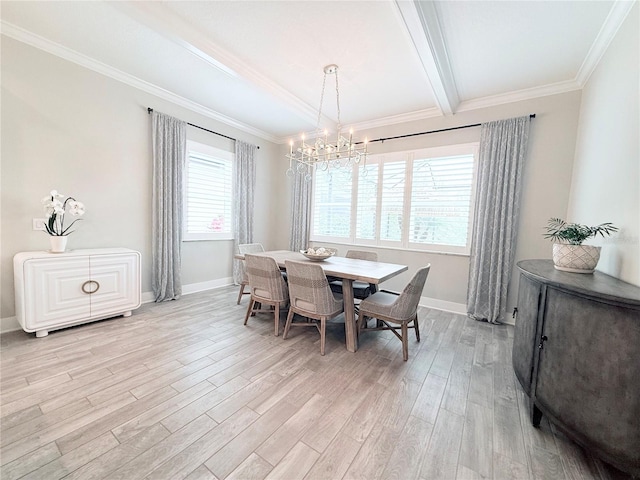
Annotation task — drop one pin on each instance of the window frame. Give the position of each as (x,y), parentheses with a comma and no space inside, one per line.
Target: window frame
(408,156)
(216,154)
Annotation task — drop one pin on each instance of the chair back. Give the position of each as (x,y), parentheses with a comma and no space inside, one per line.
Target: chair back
(407,304)
(362,255)
(265,279)
(309,289)
(245,248)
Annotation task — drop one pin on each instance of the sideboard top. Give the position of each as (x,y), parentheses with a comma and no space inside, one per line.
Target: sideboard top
(597,284)
(24,256)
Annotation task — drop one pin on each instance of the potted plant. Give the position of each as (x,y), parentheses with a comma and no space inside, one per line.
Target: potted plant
(55,207)
(569,254)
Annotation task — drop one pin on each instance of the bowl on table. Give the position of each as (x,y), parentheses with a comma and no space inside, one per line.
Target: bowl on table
(319,254)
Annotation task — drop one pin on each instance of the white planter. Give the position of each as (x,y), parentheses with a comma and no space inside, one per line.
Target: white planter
(575,258)
(58,243)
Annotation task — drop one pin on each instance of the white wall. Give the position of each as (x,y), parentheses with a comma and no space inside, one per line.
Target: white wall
(68,128)
(606,176)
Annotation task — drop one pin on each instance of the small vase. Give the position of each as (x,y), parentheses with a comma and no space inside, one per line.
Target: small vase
(58,243)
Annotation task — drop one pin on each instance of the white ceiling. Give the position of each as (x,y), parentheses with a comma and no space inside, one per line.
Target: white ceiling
(258,65)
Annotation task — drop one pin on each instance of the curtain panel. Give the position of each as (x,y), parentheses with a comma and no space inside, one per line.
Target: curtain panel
(169,140)
(244,182)
(300,212)
(503,146)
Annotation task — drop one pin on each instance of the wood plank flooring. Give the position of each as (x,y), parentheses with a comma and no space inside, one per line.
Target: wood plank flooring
(182,390)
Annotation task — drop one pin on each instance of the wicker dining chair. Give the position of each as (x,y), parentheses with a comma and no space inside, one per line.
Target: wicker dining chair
(393,308)
(266,286)
(361,290)
(311,297)
(243,249)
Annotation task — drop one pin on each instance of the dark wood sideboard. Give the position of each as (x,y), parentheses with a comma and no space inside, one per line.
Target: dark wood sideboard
(576,353)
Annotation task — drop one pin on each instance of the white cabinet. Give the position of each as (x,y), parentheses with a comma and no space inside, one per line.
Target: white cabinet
(59,290)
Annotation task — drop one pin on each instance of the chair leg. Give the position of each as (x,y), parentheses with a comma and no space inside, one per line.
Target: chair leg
(249,308)
(405,342)
(287,325)
(277,318)
(323,329)
(240,293)
(417,327)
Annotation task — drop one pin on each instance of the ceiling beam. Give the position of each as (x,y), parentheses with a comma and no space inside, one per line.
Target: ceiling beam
(166,23)
(422,23)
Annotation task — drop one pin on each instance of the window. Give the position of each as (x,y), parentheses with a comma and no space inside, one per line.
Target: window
(419,200)
(208,193)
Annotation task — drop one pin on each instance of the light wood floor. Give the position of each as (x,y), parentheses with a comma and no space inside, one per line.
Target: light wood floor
(184,390)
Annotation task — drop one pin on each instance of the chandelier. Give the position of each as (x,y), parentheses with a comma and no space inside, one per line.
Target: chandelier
(326,153)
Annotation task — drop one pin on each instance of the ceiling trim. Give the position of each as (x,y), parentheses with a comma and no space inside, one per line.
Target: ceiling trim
(172,27)
(421,20)
(41,43)
(519,95)
(400,118)
(608,31)
(379,122)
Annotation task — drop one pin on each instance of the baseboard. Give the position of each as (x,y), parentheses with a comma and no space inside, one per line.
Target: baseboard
(10,324)
(148,297)
(444,305)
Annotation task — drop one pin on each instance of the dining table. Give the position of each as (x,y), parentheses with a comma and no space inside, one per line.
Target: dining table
(347,270)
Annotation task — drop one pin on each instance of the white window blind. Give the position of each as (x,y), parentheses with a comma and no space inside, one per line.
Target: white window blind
(421,200)
(208,194)
(441,200)
(392,200)
(332,205)
(366,216)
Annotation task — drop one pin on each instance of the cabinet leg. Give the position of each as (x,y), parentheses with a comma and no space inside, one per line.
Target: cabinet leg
(536,415)
(42,333)
(127,314)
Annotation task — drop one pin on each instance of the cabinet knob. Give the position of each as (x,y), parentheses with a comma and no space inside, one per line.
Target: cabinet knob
(88,288)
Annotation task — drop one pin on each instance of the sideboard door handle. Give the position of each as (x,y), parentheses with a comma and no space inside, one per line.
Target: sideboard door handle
(93,289)
(542,340)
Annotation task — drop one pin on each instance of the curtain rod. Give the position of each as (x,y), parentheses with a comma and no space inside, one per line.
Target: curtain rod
(150,110)
(533,115)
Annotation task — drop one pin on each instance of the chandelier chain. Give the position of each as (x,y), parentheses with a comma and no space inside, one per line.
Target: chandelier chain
(337,100)
(324,82)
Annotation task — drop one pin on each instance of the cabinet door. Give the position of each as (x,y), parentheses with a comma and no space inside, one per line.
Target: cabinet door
(116,278)
(55,291)
(524,336)
(588,371)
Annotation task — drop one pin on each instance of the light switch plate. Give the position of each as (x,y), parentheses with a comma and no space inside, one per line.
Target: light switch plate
(38,224)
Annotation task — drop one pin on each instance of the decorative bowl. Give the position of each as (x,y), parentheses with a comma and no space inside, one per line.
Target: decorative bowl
(319,254)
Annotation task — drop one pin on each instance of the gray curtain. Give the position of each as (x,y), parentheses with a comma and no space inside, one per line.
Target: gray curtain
(244,183)
(300,211)
(169,151)
(503,146)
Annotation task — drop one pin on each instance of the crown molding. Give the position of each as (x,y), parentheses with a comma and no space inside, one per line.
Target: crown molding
(610,27)
(400,118)
(36,41)
(519,95)
(379,122)
(421,21)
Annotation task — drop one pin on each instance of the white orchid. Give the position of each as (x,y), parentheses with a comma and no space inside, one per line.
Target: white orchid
(55,207)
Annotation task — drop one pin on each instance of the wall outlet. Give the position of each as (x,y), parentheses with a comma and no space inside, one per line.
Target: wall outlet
(39,223)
